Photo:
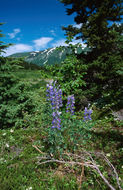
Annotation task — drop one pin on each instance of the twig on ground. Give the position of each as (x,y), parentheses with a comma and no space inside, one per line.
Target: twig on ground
(82,174)
(115,172)
(85,159)
(38,149)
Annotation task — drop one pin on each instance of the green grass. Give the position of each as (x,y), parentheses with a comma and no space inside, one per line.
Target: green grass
(31,75)
(28,74)
(36,79)
(19,164)
(19,161)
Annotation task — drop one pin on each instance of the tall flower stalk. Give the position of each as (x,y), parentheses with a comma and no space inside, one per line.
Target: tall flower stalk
(54,95)
(70,104)
(87,114)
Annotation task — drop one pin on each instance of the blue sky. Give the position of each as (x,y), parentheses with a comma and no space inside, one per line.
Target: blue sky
(33,25)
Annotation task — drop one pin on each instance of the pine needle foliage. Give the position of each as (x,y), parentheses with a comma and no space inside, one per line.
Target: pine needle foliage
(14,98)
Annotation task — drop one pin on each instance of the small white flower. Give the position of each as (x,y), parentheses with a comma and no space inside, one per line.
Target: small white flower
(4,134)
(11,130)
(119,179)
(108,155)
(30,188)
(7,145)
(122,167)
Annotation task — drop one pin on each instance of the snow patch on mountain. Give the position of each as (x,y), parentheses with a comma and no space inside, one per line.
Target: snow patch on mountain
(50,51)
(45,62)
(33,53)
(50,56)
(61,53)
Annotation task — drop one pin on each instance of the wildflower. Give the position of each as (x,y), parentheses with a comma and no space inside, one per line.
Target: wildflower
(70,104)
(108,155)
(11,130)
(119,179)
(4,134)
(7,145)
(55,97)
(30,188)
(87,114)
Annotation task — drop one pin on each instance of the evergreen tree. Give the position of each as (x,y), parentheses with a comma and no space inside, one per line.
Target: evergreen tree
(14,98)
(97,27)
(95,19)
(2,45)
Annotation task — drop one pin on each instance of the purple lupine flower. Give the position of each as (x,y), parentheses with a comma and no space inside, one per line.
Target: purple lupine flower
(55,97)
(70,104)
(87,114)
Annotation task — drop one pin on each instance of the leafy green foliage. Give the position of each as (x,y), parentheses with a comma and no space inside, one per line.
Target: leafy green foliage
(70,75)
(73,132)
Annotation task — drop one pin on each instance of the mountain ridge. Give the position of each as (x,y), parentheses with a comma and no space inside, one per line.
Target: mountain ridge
(48,56)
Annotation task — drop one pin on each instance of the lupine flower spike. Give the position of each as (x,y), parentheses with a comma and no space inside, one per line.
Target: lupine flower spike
(70,104)
(87,114)
(55,97)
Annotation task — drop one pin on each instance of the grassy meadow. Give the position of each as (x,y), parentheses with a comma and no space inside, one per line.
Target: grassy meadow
(34,157)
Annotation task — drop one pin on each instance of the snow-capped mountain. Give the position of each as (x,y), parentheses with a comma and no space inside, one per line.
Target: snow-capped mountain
(49,56)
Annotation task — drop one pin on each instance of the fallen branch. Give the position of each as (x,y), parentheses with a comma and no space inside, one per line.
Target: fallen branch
(84,164)
(85,159)
(115,172)
(38,149)
(82,174)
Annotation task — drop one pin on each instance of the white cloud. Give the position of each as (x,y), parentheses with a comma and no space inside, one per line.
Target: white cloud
(80,42)
(61,42)
(53,32)
(18,48)
(42,42)
(14,33)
